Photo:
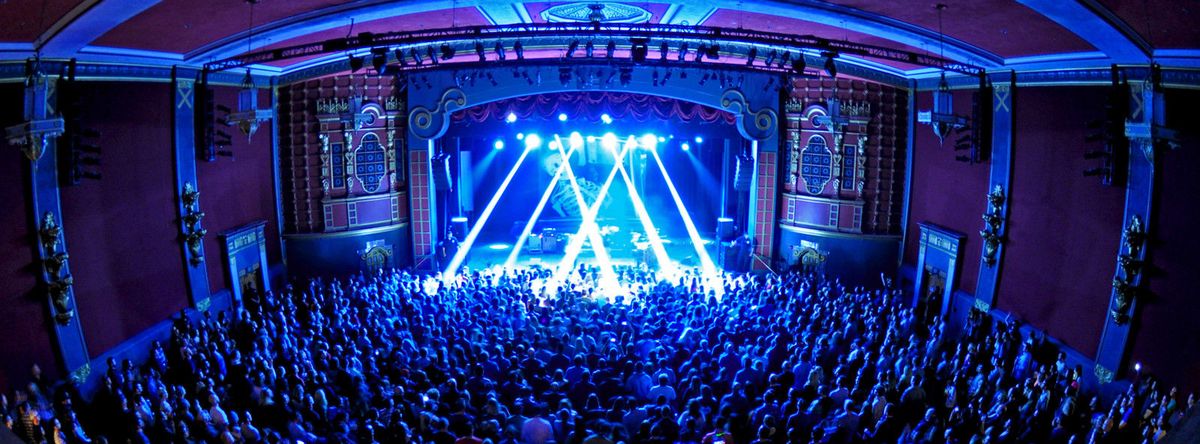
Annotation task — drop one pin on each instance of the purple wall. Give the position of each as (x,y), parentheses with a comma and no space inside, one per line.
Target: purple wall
(122,231)
(1167,334)
(237,191)
(1063,228)
(25,328)
(946,192)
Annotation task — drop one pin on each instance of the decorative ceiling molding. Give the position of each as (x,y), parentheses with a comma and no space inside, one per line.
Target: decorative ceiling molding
(810,10)
(596,12)
(509,14)
(1097,25)
(86,23)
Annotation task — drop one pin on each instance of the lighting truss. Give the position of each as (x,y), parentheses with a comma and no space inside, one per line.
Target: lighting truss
(736,41)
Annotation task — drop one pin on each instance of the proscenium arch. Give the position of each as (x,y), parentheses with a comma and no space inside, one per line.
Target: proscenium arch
(755,108)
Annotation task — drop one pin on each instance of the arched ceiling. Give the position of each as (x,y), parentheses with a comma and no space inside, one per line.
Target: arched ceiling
(994,34)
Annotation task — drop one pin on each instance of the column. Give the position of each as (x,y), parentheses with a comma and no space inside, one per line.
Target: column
(51,245)
(187,189)
(999,193)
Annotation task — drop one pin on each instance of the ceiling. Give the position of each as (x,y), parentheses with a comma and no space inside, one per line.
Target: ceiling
(994,34)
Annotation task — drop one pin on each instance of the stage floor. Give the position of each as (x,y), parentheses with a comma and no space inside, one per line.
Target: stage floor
(495,254)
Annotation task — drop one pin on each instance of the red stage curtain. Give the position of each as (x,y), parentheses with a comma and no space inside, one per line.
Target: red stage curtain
(620,106)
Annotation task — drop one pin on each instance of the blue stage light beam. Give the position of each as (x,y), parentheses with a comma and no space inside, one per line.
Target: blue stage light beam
(639,207)
(465,247)
(537,212)
(706,262)
(587,227)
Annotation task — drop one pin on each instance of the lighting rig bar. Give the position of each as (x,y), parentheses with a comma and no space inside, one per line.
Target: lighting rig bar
(553,34)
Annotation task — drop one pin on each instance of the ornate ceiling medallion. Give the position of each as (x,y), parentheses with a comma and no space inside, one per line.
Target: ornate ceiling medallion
(588,12)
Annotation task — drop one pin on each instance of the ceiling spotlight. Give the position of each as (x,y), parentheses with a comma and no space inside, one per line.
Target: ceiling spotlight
(500,51)
(639,50)
(753,54)
(607,119)
(700,52)
(399,53)
(519,49)
(771,58)
(663,49)
(447,51)
(683,49)
(562,117)
(498,144)
(787,55)
(685,146)
(356,63)
(480,52)
(511,117)
(612,49)
(571,48)
(415,56)
(590,49)
(714,52)
(429,54)
(699,140)
(830,65)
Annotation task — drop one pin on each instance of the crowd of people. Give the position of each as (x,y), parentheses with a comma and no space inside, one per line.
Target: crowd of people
(506,357)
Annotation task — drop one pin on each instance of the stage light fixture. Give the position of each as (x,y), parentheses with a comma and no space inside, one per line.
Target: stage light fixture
(415,56)
(399,54)
(699,140)
(492,79)
(479,51)
(607,119)
(379,59)
(575,140)
(532,142)
(571,48)
(700,53)
(562,117)
(683,50)
(753,54)
(519,49)
(626,75)
(685,146)
(663,50)
(799,64)
(564,75)
(500,51)
(639,50)
(611,49)
(830,65)
(590,49)
(356,63)
(649,141)
(520,136)
(661,139)
(447,51)
(609,142)
(655,77)
(785,58)
(510,118)
(498,144)
(771,58)
(714,52)
(429,54)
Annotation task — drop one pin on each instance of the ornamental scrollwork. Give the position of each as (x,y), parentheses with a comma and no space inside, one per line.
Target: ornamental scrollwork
(1129,269)
(54,263)
(993,225)
(193,233)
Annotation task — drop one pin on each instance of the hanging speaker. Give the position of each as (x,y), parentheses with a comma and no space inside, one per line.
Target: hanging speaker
(458,226)
(745,170)
(725,229)
(441,172)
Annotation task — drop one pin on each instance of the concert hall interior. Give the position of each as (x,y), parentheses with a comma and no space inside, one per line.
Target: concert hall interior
(469,221)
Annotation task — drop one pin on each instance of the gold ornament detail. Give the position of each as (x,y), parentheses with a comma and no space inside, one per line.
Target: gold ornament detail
(1129,269)
(993,224)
